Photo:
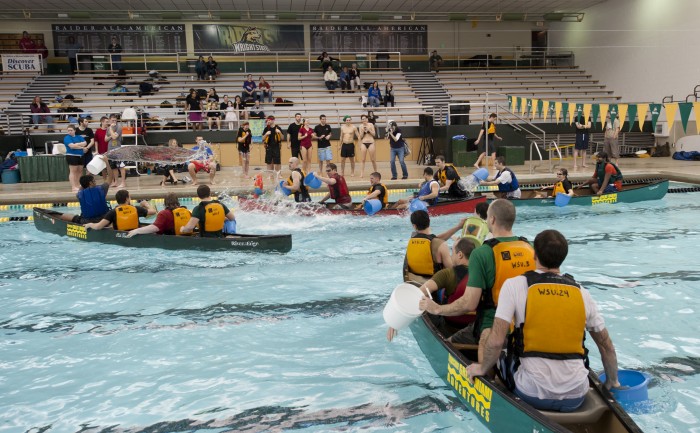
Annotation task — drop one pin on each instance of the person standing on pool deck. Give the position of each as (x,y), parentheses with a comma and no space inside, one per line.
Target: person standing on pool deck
(547,373)
(366,133)
(583,136)
(272,138)
(347,147)
(75,149)
(498,259)
(490,129)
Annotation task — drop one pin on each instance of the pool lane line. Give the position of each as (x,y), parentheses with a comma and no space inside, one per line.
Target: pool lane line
(17,218)
(76,204)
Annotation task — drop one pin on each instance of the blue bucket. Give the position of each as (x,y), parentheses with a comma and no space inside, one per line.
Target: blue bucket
(230,227)
(372,206)
(283,188)
(636,387)
(481,174)
(562,199)
(417,205)
(312,181)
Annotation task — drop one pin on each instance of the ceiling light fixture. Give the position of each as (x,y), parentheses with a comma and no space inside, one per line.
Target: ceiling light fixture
(335,17)
(271,17)
(398,17)
(63,15)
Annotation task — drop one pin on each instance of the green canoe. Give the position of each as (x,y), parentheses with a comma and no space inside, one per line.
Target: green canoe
(500,411)
(632,191)
(48,221)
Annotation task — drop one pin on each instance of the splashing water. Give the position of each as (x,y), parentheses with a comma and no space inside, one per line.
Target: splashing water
(469,183)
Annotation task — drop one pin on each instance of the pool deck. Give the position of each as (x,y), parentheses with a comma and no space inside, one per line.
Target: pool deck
(231,181)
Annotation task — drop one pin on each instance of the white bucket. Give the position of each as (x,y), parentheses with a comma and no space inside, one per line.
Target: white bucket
(402,307)
(96,165)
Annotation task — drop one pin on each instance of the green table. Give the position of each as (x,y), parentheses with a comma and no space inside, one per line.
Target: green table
(43,168)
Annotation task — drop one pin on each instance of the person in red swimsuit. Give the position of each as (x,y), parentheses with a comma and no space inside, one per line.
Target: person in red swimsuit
(305,134)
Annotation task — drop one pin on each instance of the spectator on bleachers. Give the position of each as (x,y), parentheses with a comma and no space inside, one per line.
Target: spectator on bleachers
(213,114)
(193,107)
(256,111)
(39,108)
(355,82)
(326,61)
(389,94)
(72,49)
(435,61)
(344,78)
(229,112)
(249,87)
(200,67)
(212,68)
(119,87)
(26,44)
(372,118)
(374,95)
(240,107)
(44,52)
(331,79)
(115,50)
(264,90)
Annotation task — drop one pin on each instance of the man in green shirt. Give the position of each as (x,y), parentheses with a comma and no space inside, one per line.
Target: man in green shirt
(490,265)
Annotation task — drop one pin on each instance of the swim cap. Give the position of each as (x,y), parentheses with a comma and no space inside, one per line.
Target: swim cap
(346,117)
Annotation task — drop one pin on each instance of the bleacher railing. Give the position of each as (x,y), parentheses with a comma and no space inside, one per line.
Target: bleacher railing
(498,58)
(283,61)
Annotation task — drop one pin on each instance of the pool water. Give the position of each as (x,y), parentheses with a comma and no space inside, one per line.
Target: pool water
(102,338)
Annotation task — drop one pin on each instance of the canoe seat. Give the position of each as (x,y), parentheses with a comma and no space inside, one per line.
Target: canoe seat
(590,411)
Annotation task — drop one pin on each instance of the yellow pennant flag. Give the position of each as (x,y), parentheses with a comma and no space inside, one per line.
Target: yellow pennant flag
(557,110)
(587,111)
(523,106)
(572,112)
(534,109)
(622,114)
(642,114)
(545,109)
(603,112)
(671,109)
(512,104)
(696,107)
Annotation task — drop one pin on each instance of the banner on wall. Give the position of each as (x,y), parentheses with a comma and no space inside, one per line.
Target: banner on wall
(248,39)
(256,129)
(134,38)
(349,38)
(22,63)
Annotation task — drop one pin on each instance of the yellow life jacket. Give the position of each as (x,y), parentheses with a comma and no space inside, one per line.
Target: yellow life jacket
(214,217)
(181,216)
(558,187)
(127,217)
(383,197)
(419,255)
(555,318)
(476,230)
(492,128)
(442,174)
(512,259)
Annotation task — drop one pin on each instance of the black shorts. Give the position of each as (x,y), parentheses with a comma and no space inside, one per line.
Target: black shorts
(87,157)
(493,148)
(243,148)
(78,219)
(272,155)
(347,150)
(74,160)
(295,150)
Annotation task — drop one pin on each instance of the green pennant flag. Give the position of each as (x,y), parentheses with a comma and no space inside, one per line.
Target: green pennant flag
(595,110)
(579,109)
(552,111)
(539,108)
(685,108)
(528,110)
(519,104)
(655,110)
(564,111)
(612,109)
(632,114)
